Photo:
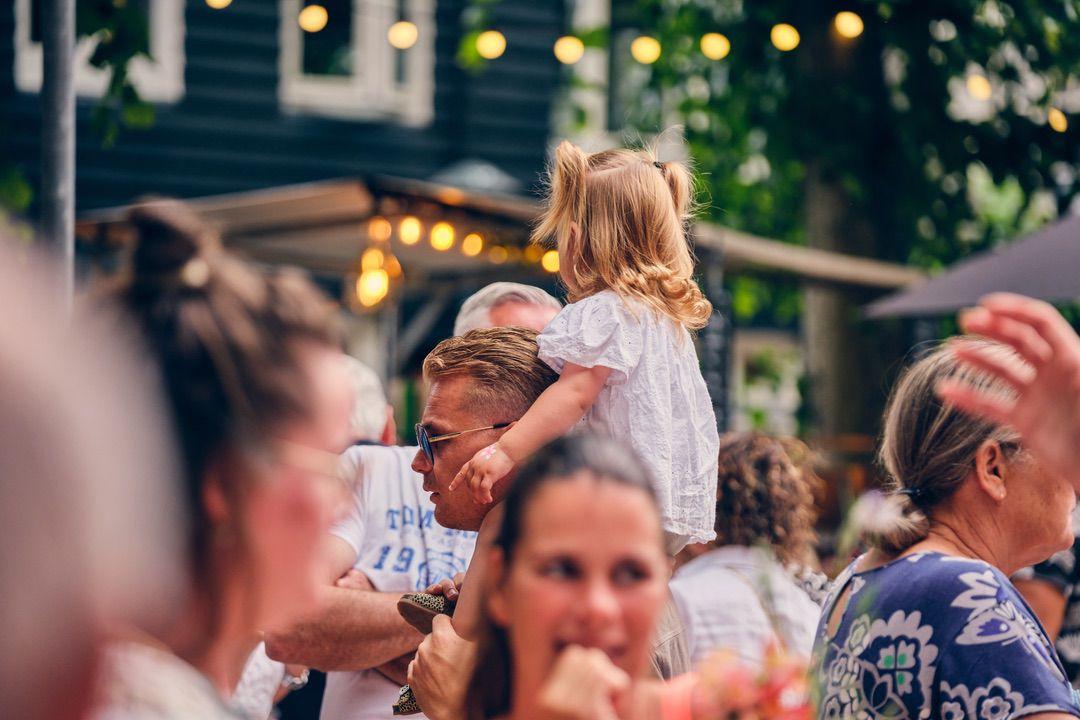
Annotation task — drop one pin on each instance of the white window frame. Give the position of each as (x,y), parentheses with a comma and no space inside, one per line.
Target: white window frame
(371,92)
(160,80)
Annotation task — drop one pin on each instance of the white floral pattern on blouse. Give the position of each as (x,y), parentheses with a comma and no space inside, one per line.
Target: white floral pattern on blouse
(930,635)
(655,400)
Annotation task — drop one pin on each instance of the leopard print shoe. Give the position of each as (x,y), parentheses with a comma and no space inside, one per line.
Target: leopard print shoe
(420,609)
(406,703)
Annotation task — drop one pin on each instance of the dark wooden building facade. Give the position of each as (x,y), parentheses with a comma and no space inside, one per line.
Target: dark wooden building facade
(231,116)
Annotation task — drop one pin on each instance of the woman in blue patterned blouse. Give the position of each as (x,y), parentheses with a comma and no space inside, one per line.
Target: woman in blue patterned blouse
(927,624)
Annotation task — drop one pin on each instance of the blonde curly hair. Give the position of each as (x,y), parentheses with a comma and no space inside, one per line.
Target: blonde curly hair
(619,218)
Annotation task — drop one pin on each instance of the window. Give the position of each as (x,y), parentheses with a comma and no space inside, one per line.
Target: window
(344,65)
(160,79)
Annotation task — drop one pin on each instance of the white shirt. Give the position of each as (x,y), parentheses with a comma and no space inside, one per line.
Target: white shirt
(259,684)
(722,597)
(655,400)
(145,682)
(400,548)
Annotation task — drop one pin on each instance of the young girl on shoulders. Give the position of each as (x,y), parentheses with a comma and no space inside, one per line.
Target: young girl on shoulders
(622,347)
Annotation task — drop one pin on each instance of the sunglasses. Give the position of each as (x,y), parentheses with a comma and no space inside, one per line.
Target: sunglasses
(425,440)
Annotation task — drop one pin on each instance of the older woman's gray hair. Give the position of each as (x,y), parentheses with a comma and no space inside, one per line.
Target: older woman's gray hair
(928,446)
(475,312)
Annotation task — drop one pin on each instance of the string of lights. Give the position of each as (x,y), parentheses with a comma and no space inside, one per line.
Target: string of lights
(644,49)
(379,269)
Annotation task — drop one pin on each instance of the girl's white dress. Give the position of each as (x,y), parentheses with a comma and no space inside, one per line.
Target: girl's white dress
(655,399)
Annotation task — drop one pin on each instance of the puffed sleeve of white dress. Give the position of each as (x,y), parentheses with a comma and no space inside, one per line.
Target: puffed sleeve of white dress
(599,330)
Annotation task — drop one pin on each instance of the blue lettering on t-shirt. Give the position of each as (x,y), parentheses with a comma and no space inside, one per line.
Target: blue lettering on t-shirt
(404,560)
(383,552)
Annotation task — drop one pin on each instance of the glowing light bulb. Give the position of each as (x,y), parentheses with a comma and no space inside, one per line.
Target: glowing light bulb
(569,49)
(402,34)
(646,50)
(784,37)
(442,236)
(313,18)
(848,24)
(715,46)
(372,259)
(1057,120)
(490,44)
(533,253)
(379,229)
(372,286)
(550,261)
(978,86)
(498,255)
(219,4)
(472,245)
(410,230)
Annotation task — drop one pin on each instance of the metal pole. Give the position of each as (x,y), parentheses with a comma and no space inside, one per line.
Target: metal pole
(58,139)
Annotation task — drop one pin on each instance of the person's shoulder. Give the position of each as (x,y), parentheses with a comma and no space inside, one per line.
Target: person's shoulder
(944,584)
(710,574)
(934,567)
(595,315)
(605,301)
(362,464)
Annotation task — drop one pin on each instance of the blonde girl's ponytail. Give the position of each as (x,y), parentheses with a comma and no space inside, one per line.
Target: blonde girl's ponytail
(566,201)
(681,186)
(624,230)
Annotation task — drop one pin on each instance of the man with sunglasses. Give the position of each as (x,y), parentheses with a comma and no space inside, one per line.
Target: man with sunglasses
(480,383)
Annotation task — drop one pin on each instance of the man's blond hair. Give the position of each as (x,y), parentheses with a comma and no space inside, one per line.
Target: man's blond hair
(507,375)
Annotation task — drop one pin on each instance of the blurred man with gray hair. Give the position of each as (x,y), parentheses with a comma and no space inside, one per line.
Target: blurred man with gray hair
(372,417)
(506,304)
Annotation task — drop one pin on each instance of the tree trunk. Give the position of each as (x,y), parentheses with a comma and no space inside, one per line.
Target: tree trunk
(831,340)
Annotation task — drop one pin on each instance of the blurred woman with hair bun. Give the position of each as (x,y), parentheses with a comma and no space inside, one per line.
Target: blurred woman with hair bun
(253,376)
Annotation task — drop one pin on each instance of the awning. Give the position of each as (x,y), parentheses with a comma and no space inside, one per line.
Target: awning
(322,226)
(1044,265)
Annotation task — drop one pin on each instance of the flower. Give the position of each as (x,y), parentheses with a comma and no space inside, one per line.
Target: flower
(952,711)
(730,690)
(995,708)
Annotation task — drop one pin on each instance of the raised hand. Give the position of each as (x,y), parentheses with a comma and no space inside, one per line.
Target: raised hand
(439,674)
(1046,407)
(583,685)
(480,474)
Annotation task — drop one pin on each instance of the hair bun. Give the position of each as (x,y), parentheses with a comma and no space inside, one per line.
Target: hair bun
(171,244)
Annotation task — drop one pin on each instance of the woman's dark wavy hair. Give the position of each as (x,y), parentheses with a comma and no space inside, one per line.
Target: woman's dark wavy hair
(604,460)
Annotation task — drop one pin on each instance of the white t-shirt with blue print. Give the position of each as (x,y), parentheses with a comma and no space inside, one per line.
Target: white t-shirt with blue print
(400,548)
